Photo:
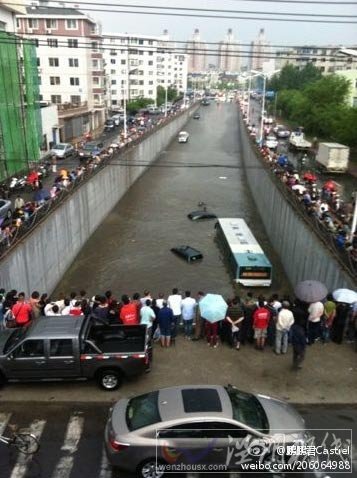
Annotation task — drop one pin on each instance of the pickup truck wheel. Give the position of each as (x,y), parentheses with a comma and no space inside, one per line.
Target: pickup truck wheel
(109,379)
(2,380)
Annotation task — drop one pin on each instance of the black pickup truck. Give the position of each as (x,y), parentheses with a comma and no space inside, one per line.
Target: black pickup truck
(72,348)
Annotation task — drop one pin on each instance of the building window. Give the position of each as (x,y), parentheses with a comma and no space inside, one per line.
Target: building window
(95,64)
(141,42)
(96,98)
(37,43)
(95,80)
(72,43)
(18,23)
(150,42)
(51,23)
(38,61)
(113,52)
(71,24)
(74,81)
(33,23)
(94,46)
(150,63)
(114,82)
(123,62)
(39,80)
(114,92)
(113,61)
(51,42)
(56,99)
(55,80)
(114,102)
(151,53)
(150,92)
(73,62)
(53,61)
(112,72)
(76,99)
(151,82)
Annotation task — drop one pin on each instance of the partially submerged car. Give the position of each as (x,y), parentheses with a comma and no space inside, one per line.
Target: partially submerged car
(196,116)
(188,253)
(201,214)
(183,137)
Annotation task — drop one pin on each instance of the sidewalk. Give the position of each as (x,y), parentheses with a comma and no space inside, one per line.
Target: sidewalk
(328,376)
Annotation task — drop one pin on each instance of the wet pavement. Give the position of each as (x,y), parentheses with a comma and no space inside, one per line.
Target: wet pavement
(71,440)
(130,251)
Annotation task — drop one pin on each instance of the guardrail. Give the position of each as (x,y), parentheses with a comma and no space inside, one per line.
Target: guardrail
(11,237)
(342,256)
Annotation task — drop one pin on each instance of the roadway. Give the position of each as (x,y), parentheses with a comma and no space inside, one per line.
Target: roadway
(71,440)
(130,251)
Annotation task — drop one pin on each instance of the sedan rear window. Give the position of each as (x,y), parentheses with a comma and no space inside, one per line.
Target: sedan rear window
(143,411)
(247,410)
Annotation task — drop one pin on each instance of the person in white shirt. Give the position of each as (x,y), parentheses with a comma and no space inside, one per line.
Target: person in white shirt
(147,296)
(160,300)
(174,302)
(188,310)
(316,311)
(284,322)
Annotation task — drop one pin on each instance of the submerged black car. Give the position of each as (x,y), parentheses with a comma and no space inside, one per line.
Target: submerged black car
(198,215)
(188,253)
(196,116)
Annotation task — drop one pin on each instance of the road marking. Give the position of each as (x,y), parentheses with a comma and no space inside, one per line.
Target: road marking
(105,467)
(20,468)
(73,434)
(4,420)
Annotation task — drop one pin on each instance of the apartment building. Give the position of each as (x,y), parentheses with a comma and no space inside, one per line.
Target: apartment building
(228,54)
(20,120)
(196,51)
(70,66)
(328,59)
(260,52)
(135,65)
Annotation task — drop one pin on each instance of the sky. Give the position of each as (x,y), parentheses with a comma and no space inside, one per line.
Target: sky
(214,29)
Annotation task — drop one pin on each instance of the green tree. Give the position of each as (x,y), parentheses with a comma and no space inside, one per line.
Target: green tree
(134,106)
(161,94)
(292,78)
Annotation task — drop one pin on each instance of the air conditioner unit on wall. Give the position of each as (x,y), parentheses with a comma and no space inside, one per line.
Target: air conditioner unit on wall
(49,31)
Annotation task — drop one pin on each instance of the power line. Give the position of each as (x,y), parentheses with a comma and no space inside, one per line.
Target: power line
(302,2)
(210,10)
(178,50)
(229,17)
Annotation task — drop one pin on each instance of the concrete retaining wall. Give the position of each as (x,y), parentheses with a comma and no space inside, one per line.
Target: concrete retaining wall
(302,253)
(41,259)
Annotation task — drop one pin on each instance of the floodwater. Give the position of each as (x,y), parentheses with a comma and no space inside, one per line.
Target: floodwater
(130,251)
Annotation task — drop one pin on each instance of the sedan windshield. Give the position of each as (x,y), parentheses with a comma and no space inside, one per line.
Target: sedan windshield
(247,410)
(143,411)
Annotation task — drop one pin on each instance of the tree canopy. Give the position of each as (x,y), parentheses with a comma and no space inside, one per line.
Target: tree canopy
(316,102)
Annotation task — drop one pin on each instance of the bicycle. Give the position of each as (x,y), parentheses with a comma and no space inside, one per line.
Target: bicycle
(25,443)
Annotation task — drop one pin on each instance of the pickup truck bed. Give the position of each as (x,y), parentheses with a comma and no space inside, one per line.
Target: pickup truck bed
(115,339)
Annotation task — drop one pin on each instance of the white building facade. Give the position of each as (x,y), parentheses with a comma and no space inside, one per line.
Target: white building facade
(135,65)
(70,66)
(8,11)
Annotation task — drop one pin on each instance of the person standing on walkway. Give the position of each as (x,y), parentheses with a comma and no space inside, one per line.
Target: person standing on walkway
(328,318)
(188,310)
(284,321)
(298,341)
(211,330)
(165,317)
(147,316)
(316,311)
(174,301)
(199,325)
(129,314)
(22,311)
(261,318)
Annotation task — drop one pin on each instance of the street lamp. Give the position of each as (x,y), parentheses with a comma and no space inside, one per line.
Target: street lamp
(249,88)
(265,76)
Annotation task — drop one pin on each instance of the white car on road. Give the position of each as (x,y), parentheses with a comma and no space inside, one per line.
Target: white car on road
(183,137)
(271,142)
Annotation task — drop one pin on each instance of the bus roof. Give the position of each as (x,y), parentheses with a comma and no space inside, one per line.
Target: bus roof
(252,260)
(239,236)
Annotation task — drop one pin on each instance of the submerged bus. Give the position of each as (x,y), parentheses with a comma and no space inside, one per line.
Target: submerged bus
(246,259)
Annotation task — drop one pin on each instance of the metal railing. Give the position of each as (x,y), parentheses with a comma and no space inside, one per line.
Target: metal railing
(8,241)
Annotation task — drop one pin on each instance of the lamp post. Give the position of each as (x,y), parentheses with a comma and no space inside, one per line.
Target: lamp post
(249,88)
(265,76)
(167,87)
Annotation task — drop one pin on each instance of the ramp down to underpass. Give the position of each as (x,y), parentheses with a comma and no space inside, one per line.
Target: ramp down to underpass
(305,249)
(40,259)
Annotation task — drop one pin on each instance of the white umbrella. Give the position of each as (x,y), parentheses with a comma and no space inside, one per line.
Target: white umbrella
(347,296)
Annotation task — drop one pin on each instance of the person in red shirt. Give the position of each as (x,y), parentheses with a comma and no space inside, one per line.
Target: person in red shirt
(261,318)
(22,311)
(128,312)
(76,310)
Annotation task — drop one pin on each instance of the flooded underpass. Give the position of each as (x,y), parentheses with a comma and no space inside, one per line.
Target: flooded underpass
(130,251)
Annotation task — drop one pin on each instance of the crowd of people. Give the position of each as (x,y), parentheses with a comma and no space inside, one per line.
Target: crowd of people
(324,204)
(272,322)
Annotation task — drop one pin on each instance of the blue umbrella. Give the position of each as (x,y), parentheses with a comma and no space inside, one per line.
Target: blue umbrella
(213,307)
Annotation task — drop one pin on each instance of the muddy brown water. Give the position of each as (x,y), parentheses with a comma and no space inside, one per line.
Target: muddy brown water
(130,250)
